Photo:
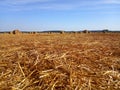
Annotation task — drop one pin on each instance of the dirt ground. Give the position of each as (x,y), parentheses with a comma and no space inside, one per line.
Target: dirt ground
(60,61)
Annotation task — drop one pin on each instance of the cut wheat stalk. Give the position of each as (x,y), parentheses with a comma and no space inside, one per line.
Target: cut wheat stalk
(21,69)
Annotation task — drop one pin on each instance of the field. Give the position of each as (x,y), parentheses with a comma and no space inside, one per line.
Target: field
(60,61)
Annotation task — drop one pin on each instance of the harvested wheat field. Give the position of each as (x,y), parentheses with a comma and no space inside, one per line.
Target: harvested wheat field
(60,61)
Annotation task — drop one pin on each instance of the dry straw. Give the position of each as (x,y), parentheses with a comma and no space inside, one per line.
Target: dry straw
(60,62)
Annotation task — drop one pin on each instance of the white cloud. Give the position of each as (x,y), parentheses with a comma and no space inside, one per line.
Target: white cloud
(19,5)
(22,2)
(111,1)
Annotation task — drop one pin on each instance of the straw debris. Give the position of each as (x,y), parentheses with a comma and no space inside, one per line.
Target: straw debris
(60,62)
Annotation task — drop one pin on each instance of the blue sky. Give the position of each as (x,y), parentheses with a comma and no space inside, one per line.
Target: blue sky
(66,15)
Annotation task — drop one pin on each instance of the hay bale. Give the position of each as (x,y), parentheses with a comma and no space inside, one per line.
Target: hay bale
(16,32)
(62,32)
(10,32)
(105,31)
(34,33)
(85,31)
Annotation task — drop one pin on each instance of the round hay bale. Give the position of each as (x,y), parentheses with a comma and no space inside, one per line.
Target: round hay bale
(85,31)
(62,32)
(16,32)
(105,31)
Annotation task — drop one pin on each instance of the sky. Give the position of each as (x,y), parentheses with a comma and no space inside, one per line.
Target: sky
(75,15)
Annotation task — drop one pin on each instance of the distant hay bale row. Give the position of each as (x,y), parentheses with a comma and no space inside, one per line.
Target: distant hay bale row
(19,32)
(59,32)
